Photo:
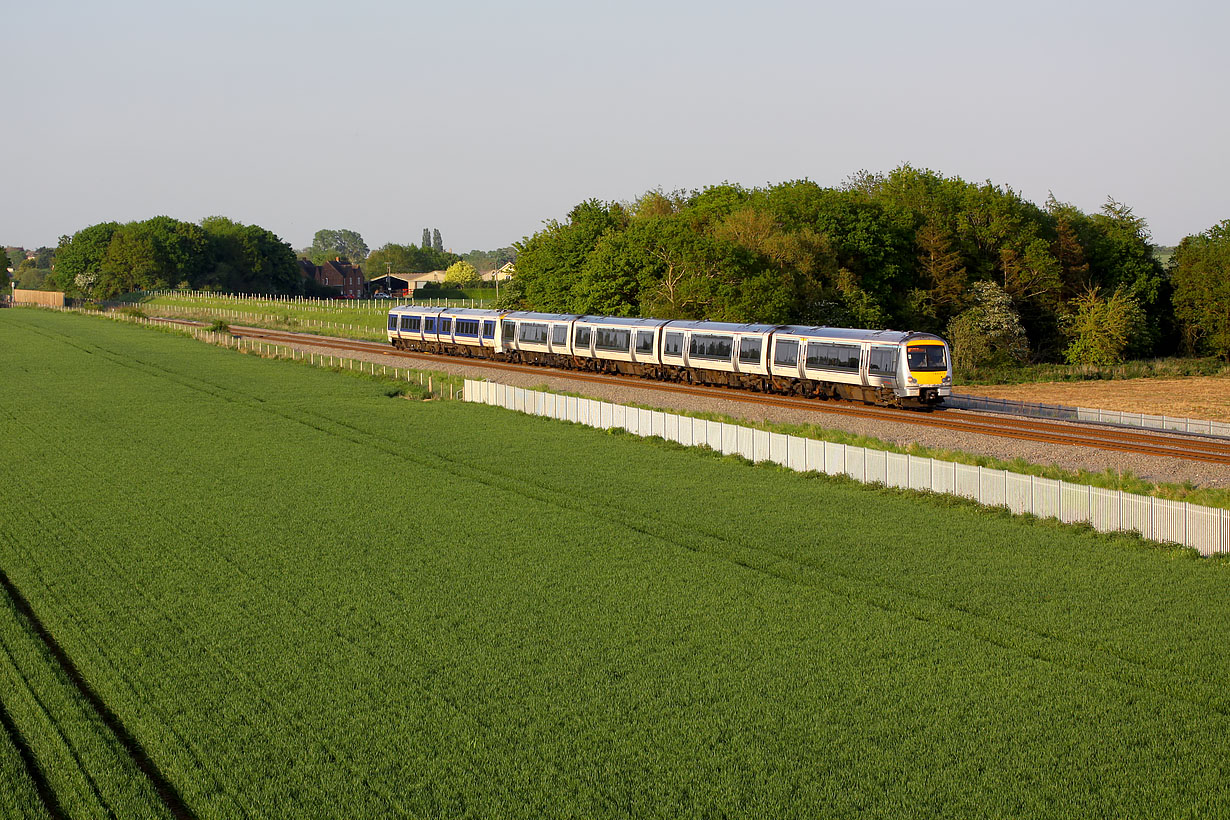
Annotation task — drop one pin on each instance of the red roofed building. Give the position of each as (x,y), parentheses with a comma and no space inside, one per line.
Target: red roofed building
(348,279)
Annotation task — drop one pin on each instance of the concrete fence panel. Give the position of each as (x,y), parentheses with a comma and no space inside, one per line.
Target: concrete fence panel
(834,458)
(779,447)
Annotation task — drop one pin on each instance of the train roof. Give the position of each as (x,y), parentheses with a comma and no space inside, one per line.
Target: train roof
(854,334)
(721,327)
(425,310)
(528,315)
(621,321)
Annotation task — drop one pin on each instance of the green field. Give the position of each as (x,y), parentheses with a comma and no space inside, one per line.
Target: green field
(303,597)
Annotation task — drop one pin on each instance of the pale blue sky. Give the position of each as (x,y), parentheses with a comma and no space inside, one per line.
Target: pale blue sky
(484,119)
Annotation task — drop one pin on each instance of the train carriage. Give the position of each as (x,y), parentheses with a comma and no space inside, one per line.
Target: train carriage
(617,344)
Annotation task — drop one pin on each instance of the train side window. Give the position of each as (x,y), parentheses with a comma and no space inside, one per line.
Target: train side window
(717,348)
(446,325)
(392,321)
(467,327)
(510,331)
(644,341)
(786,352)
(559,335)
(533,333)
(489,330)
(883,361)
(829,356)
(405,322)
(749,350)
(581,338)
(672,344)
(429,325)
(614,339)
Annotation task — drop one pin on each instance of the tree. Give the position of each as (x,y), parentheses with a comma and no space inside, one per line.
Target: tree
(393,258)
(942,274)
(331,244)
(462,275)
(989,333)
(1201,277)
(490,260)
(426,243)
(248,258)
(1102,329)
(437,244)
(82,253)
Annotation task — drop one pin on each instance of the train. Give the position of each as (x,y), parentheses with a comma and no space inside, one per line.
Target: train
(882,367)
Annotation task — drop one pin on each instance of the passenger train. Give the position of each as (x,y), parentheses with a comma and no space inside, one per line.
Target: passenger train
(885,367)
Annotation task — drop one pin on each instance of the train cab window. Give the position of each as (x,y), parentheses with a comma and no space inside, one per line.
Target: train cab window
(559,335)
(392,321)
(672,344)
(644,341)
(749,350)
(616,340)
(883,361)
(830,356)
(926,357)
(581,338)
(489,330)
(510,331)
(717,348)
(533,333)
(446,326)
(786,353)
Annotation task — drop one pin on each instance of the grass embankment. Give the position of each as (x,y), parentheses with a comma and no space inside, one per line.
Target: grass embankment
(306,599)
(359,319)
(1164,368)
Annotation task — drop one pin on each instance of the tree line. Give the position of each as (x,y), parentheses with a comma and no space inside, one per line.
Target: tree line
(1004,279)
(109,259)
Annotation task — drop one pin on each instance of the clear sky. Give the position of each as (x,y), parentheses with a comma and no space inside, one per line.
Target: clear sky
(484,119)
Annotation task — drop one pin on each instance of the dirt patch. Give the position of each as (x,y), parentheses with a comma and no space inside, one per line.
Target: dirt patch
(1196,398)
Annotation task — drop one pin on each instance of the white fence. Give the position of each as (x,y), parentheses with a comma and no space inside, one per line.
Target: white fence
(1202,528)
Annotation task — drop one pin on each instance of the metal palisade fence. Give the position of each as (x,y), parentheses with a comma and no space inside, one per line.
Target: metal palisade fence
(1203,427)
(1205,529)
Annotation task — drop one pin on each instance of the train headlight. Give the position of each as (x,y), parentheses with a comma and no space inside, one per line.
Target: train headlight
(911,380)
(947,380)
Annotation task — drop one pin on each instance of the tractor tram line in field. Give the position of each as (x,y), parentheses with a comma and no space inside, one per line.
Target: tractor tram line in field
(1185,447)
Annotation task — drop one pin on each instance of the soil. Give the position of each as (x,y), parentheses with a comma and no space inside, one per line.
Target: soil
(1193,398)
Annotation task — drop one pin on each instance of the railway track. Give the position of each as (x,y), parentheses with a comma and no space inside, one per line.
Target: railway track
(1170,445)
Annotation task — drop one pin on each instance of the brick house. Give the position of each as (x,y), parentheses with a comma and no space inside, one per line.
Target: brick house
(346,278)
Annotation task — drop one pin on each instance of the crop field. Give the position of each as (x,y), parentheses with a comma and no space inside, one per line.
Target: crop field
(237,587)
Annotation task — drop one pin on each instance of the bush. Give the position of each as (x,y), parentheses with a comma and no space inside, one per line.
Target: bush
(1103,329)
(990,333)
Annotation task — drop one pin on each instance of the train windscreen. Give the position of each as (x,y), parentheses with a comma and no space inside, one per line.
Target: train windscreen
(926,357)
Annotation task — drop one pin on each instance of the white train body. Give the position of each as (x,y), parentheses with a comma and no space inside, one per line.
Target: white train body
(877,366)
